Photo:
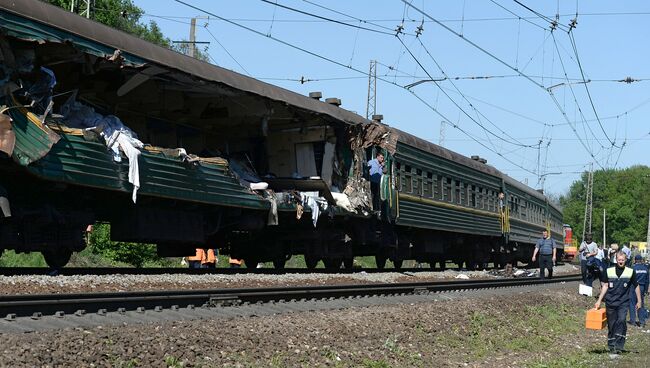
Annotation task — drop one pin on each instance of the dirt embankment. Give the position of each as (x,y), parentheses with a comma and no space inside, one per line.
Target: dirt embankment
(541,328)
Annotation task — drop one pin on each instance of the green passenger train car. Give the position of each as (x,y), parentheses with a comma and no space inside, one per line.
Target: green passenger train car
(100,126)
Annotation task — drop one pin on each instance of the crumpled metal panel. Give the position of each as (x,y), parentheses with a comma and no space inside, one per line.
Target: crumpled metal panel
(7,135)
(77,161)
(45,22)
(33,140)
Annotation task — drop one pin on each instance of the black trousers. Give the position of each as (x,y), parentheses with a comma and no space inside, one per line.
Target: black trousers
(545,262)
(583,270)
(616,326)
(376,197)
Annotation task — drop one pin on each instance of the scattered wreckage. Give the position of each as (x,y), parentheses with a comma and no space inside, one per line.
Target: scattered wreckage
(98,125)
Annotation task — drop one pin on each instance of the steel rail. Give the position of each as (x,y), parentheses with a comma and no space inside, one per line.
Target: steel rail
(47,304)
(70,271)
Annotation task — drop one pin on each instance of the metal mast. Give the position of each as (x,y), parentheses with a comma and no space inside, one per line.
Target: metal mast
(648,236)
(443,133)
(588,202)
(87,3)
(371,105)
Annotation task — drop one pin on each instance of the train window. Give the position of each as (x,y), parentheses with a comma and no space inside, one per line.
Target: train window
(427,189)
(479,194)
(462,194)
(437,187)
(473,196)
(417,185)
(490,201)
(447,190)
(408,180)
(398,165)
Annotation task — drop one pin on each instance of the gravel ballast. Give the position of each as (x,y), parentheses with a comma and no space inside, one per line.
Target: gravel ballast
(39,284)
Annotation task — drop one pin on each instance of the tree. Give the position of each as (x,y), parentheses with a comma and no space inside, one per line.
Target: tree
(622,193)
(123,15)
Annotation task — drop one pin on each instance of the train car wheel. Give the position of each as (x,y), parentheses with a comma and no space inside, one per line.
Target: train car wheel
(311,262)
(397,263)
(251,262)
(333,263)
(279,263)
(380,261)
(348,262)
(57,258)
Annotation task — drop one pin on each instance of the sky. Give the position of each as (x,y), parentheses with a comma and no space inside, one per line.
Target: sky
(481,77)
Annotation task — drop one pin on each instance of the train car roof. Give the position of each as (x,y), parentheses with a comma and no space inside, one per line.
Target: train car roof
(437,150)
(138,52)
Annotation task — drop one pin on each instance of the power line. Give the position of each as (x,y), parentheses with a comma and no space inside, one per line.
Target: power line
(226,50)
(591,101)
(325,18)
(463,96)
(355,69)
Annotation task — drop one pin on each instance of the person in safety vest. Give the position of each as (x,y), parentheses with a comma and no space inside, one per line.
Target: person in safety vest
(210,260)
(642,279)
(235,262)
(196,260)
(617,283)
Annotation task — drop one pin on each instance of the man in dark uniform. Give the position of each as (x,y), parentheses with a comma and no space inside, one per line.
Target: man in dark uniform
(642,279)
(616,284)
(547,251)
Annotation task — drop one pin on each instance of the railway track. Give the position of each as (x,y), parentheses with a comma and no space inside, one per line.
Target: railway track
(71,271)
(60,305)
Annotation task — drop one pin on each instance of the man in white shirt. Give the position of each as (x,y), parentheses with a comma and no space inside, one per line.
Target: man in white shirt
(588,251)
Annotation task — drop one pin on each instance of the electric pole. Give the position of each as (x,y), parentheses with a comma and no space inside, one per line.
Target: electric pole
(588,202)
(371,104)
(648,235)
(443,133)
(191,44)
(604,228)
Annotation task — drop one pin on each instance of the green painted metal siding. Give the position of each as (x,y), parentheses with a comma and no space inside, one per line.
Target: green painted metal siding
(77,161)
(32,142)
(424,215)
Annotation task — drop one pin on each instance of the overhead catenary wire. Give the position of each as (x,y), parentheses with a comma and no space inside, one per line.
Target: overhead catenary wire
(325,18)
(347,67)
(501,61)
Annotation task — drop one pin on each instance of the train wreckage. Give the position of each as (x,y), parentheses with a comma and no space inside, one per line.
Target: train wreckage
(98,125)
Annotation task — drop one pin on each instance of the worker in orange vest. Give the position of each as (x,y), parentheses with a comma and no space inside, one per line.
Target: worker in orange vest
(196,260)
(210,260)
(235,262)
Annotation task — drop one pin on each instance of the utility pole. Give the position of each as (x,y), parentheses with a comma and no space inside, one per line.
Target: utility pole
(588,202)
(604,228)
(371,104)
(191,44)
(648,235)
(443,133)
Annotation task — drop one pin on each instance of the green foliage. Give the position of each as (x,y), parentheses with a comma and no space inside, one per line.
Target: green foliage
(126,16)
(13,259)
(120,14)
(135,254)
(622,193)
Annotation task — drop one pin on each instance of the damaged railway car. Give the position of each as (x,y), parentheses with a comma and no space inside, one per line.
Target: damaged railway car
(99,125)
